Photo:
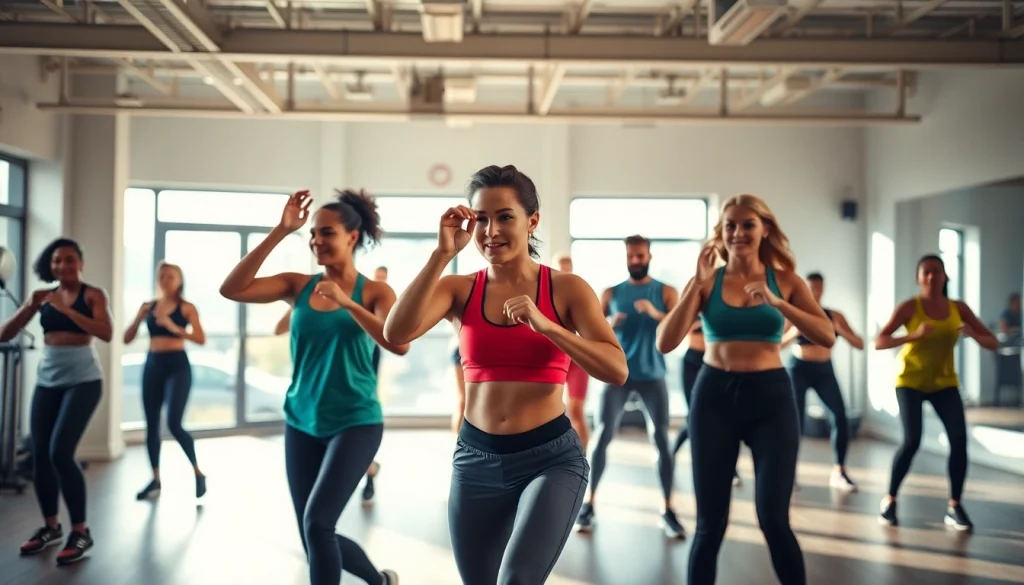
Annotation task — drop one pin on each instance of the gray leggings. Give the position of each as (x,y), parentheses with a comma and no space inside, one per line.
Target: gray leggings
(513,501)
(654,404)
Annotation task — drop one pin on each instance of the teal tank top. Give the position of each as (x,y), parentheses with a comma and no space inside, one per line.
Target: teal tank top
(334,383)
(638,331)
(722,322)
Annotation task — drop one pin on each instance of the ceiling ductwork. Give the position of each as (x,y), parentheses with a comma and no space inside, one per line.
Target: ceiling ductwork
(443,21)
(739,22)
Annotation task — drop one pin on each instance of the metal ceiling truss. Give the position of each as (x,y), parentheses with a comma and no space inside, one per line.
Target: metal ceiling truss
(245,48)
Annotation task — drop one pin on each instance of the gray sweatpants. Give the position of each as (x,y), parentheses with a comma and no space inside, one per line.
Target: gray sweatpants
(509,515)
(654,403)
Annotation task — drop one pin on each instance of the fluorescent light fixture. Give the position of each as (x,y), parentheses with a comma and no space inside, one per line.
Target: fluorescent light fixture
(671,97)
(744,21)
(358,92)
(460,90)
(781,91)
(442,20)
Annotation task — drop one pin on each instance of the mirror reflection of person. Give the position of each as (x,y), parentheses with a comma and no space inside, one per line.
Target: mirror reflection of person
(1010,319)
(380,274)
(934,324)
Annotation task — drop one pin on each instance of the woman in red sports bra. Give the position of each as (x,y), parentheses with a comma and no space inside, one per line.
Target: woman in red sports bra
(520,471)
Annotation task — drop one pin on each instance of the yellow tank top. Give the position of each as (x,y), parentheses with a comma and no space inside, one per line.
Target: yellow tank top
(928,364)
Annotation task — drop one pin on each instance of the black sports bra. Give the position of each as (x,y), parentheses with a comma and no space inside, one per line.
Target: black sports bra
(53,321)
(157,330)
(804,341)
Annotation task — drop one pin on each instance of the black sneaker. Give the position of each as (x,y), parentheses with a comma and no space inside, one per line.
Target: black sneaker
(673,529)
(200,485)
(585,520)
(42,539)
(887,514)
(368,490)
(958,519)
(75,549)
(150,492)
(390,577)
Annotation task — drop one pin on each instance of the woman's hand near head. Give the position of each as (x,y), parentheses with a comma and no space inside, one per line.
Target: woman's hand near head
(451,236)
(296,211)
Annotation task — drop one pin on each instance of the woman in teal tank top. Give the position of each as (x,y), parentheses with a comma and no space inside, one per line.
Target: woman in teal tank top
(332,413)
(742,393)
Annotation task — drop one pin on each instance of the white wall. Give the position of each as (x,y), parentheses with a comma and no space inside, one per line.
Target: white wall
(43,139)
(972,133)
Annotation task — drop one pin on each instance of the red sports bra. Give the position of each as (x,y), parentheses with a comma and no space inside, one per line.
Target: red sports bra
(510,353)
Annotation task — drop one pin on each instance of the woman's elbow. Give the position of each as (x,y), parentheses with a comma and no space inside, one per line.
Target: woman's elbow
(397,335)
(399,348)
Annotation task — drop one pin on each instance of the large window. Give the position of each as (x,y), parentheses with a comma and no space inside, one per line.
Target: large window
(13,187)
(239,377)
(676,228)
(422,382)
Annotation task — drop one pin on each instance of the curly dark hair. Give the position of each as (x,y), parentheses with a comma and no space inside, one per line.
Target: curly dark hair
(358,210)
(42,264)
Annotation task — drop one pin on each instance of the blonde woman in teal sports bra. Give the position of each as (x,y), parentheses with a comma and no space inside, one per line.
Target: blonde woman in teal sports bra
(333,417)
(743,393)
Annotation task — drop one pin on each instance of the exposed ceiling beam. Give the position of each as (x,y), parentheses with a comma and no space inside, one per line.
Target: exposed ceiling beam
(145,75)
(401,79)
(282,46)
(916,15)
(325,79)
(749,99)
(793,18)
(821,82)
(197,20)
(620,85)
(373,9)
(477,9)
(579,16)
(695,88)
(570,116)
(676,15)
(550,89)
(275,13)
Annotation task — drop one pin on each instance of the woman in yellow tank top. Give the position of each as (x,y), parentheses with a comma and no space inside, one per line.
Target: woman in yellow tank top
(927,373)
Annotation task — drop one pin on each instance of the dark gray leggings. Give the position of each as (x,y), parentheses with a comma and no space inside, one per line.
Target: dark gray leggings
(654,404)
(58,420)
(822,378)
(510,509)
(322,476)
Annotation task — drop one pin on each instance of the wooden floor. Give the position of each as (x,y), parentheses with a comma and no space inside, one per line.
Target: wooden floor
(244,532)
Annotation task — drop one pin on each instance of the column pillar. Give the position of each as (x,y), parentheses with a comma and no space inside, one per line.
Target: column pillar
(555,191)
(99,177)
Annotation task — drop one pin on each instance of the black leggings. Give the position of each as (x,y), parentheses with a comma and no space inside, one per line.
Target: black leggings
(322,476)
(167,377)
(654,404)
(822,377)
(692,362)
(57,422)
(758,409)
(950,408)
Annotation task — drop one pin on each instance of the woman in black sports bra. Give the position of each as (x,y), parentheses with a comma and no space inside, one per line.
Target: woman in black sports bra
(810,366)
(69,385)
(167,375)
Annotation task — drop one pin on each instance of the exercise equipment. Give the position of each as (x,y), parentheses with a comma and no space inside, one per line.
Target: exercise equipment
(10,392)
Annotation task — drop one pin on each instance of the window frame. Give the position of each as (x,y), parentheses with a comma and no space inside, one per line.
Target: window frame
(958,293)
(19,182)
(633,404)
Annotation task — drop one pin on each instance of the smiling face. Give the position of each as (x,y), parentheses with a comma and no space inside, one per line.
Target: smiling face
(502,226)
(931,276)
(66,265)
(329,241)
(742,231)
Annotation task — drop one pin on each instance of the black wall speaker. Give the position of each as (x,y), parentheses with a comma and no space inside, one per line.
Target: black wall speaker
(849,210)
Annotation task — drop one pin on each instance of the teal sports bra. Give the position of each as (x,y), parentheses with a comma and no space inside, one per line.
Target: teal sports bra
(722,322)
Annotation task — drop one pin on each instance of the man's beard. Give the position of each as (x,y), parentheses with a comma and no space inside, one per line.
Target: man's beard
(638,271)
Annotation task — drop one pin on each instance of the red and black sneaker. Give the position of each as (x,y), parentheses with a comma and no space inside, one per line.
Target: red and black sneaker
(75,549)
(42,539)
